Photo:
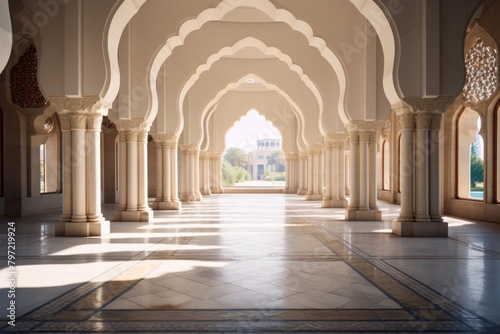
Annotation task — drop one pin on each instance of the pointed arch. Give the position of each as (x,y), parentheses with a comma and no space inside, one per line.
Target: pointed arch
(211,106)
(270,51)
(216,14)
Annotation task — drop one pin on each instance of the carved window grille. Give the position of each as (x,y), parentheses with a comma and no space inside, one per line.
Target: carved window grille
(24,81)
(481,73)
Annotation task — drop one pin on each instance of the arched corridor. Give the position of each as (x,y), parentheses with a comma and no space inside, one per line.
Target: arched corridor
(253,263)
(113,123)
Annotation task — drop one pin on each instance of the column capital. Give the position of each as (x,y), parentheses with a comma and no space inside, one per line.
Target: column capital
(436,121)
(423,120)
(189,148)
(76,120)
(142,136)
(66,104)
(364,125)
(130,136)
(423,104)
(291,156)
(364,136)
(135,124)
(94,121)
(407,121)
(337,140)
(316,148)
(164,137)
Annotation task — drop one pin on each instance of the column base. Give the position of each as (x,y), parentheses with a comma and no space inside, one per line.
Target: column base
(198,196)
(290,191)
(68,229)
(188,197)
(418,229)
(302,192)
(314,197)
(206,192)
(166,205)
(363,215)
(334,203)
(133,216)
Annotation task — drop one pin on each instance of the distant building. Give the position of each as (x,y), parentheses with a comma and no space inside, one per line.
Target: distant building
(257,161)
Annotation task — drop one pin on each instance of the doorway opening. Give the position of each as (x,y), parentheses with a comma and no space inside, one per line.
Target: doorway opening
(254,157)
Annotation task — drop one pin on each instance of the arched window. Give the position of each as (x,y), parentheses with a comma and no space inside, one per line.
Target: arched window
(470,156)
(386,166)
(49,160)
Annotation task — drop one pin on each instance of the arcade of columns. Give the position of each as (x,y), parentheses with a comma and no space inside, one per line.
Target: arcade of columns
(318,173)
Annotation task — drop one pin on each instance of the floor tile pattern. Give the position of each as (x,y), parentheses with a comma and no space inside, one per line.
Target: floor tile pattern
(238,264)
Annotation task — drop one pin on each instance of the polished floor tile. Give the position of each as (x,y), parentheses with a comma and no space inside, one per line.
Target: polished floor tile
(254,263)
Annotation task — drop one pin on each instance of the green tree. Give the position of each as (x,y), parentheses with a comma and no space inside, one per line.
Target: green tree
(228,174)
(476,163)
(476,169)
(277,158)
(232,174)
(236,157)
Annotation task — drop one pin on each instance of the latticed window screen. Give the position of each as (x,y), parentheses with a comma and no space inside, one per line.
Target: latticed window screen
(481,73)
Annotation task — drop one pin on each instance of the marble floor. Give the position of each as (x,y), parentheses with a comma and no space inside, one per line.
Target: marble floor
(251,263)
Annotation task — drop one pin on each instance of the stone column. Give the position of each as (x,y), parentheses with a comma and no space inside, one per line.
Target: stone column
(291,174)
(133,187)
(205,172)
(93,148)
(303,174)
(335,165)
(143,199)
(407,123)
(372,158)
(175,203)
(189,153)
(434,164)
(420,216)
(364,139)
(196,157)
(422,126)
(67,208)
(353,171)
(363,171)
(81,120)
(315,177)
(166,172)
(329,170)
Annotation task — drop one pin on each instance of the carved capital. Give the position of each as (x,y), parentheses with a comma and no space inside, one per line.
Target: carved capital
(436,121)
(364,136)
(386,129)
(128,136)
(407,121)
(79,104)
(94,122)
(131,124)
(353,137)
(78,121)
(365,125)
(316,148)
(142,136)
(423,121)
(424,104)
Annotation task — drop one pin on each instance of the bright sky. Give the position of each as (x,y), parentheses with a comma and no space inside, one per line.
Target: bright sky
(248,129)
